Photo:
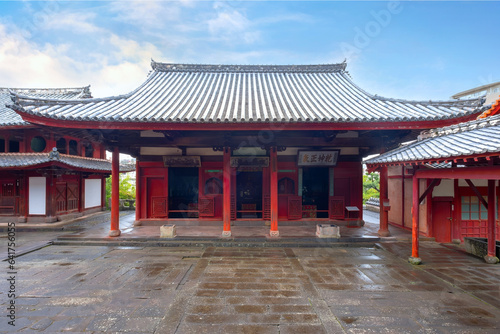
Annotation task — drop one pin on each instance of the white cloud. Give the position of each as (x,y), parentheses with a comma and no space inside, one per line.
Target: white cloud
(147,14)
(120,68)
(71,21)
(232,26)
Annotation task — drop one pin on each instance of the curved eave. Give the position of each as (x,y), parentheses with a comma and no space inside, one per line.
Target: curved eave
(371,167)
(305,125)
(56,163)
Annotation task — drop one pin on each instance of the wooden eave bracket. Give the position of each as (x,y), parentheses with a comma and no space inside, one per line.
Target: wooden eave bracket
(478,194)
(429,189)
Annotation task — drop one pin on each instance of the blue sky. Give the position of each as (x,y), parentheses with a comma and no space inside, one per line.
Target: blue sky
(412,50)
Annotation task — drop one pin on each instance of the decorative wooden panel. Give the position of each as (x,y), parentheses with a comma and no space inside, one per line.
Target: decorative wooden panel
(72,197)
(336,207)
(294,207)
(266,214)
(233,207)
(61,197)
(206,207)
(159,207)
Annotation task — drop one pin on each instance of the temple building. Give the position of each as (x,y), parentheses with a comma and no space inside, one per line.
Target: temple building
(249,144)
(449,178)
(48,174)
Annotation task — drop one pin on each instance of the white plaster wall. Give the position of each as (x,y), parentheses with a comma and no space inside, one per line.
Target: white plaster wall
(444,189)
(394,170)
(92,193)
(477,183)
(37,195)
(203,151)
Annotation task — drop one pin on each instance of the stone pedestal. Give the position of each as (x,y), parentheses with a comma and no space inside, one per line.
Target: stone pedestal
(167,231)
(414,260)
(327,231)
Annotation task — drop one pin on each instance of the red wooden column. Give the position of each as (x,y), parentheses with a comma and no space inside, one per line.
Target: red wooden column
(492,204)
(384,214)
(138,185)
(115,194)
(274,192)
(415,259)
(226,193)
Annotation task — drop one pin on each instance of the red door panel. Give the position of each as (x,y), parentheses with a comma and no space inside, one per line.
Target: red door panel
(441,220)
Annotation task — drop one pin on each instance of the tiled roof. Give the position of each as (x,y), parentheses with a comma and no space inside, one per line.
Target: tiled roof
(10,118)
(456,141)
(247,94)
(10,160)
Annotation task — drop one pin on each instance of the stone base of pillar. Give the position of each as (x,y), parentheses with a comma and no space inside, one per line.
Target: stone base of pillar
(114,233)
(384,233)
(491,259)
(414,260)
(137,223)
(167,231)
(226,234)
(274,234)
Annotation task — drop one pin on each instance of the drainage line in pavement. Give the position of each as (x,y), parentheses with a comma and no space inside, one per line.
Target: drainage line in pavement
(30,250)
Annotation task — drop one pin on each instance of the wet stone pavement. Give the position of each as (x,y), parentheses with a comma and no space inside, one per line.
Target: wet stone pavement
(96,289)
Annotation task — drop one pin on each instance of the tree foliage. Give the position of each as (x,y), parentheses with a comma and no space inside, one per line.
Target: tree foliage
(127,187)
(371,182)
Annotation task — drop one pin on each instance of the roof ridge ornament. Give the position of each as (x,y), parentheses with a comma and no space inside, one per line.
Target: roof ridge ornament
(318,68)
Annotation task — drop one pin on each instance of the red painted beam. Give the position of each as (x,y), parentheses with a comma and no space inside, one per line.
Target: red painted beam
(427,191)
(274,191)
(217,126)
(115,194)
(477,192)
(226,197)
(138,181)
(482,173)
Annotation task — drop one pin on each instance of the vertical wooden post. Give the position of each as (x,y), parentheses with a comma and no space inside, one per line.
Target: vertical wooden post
(274,192)
(415,259)
(138,186)
(384,214)
(492,205)
(226,185)
(115,194)
(50,209)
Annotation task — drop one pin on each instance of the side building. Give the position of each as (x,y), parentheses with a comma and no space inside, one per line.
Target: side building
(48,174)
(445,184)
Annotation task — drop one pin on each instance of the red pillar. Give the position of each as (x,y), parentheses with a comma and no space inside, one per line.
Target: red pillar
(415,259)
(491,257)
(137,194)
(115,194)
(274,192)
(384,214)
(226,184)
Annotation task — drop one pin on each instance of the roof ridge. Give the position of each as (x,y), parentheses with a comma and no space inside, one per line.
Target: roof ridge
(473,102)
(315,68)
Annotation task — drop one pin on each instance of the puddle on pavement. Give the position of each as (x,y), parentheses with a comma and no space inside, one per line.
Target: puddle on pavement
(348,320)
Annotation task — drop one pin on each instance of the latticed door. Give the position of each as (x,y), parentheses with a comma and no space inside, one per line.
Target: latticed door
(72,196)
(61,188)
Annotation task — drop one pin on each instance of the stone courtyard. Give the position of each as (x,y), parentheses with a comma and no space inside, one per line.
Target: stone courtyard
(99,289)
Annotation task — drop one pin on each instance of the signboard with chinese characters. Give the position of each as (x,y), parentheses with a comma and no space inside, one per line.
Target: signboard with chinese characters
(318,158)
(181,161)
(249,161)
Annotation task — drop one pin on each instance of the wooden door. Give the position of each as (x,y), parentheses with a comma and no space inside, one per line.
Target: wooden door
(72,197)
(61,190)
(294,207)
(441,220)
(157,200)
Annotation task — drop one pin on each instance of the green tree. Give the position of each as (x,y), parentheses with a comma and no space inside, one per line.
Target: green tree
(127,188)
(371,183)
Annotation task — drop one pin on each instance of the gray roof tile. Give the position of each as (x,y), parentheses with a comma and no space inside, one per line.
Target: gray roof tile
(245,94)
(456,141)
(11,160)
(8,117)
